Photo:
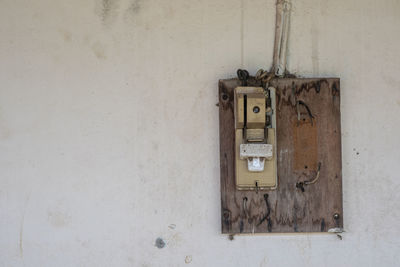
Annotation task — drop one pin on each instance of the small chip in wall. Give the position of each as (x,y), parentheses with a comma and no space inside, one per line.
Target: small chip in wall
(188,259)
(160,243)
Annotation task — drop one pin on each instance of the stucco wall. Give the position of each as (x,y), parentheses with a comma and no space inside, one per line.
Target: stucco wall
(109,129)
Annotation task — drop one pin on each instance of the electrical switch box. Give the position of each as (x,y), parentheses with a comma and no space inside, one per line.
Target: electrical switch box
(280,155)
(255,142)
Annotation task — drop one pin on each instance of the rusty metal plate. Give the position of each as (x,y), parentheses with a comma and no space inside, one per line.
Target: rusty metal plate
(305,144)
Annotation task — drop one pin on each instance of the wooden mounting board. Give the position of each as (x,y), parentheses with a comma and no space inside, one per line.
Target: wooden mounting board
(300,146)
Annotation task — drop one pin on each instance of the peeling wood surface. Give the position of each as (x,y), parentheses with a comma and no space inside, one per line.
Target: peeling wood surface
(301,144)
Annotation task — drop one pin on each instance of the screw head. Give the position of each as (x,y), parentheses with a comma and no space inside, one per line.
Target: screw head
(336,216)
(256,109)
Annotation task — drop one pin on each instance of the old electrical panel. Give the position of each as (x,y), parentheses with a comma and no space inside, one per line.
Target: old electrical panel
(255,145)
(280,155)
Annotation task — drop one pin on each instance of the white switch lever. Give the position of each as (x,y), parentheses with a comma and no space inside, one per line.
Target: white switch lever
(256,154)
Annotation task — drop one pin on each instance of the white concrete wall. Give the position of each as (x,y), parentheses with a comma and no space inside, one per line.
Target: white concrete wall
(109,129)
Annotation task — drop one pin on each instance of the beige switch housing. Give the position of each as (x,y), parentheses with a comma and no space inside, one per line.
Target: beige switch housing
(255,140)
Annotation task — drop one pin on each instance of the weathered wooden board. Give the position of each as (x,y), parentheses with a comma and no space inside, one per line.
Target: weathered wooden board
(300,147)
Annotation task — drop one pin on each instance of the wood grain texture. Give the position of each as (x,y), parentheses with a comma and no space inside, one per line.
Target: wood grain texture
(288,209)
